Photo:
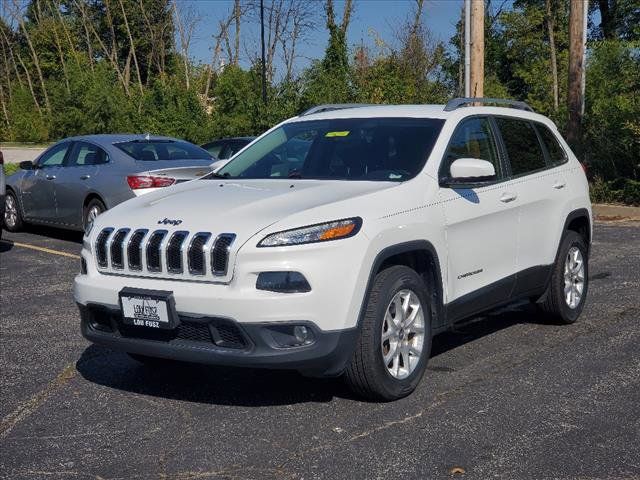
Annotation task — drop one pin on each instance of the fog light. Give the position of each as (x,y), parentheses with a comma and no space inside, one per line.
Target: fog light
(283,282)
(286,336)
(83,266)
(301,333)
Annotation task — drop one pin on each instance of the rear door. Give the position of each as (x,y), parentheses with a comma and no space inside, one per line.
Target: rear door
(540,187)
(77,179)
(481,225)
(38,185)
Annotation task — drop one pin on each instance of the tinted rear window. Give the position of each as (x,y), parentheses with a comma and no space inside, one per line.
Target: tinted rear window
(556,153)
(523,148)
(151,150)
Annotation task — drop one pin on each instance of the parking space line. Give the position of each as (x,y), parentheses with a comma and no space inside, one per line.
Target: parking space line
(31,405)
(42,249)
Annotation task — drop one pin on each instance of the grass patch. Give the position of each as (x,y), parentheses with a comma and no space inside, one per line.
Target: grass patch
(10,168)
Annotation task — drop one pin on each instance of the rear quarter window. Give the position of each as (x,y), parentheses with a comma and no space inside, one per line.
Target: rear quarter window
(557,155)
(524,151)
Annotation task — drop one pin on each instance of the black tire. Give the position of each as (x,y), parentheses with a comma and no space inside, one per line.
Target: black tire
(367,375)
(93,204)
(18,224)
(554,304)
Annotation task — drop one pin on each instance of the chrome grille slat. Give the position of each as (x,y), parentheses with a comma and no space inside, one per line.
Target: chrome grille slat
(153,251)
(102,257)
(173,251)
(200,256)
(220,253)
(116,248)
(197,254)
(134,249)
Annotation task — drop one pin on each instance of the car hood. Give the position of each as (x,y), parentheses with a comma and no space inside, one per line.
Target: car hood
(240,207)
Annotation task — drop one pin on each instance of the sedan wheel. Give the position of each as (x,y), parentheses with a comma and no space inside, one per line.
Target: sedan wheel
(12,217)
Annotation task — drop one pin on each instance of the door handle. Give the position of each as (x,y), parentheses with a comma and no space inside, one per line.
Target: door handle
(507,197)
(558,185)
(50,177)
(85,177)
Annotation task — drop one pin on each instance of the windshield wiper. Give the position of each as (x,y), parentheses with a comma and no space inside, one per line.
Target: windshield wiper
(217,175)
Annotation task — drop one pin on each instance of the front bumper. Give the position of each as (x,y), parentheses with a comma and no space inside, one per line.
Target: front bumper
(220,341)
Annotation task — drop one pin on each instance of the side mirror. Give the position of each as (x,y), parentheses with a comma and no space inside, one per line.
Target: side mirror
(471,171)
(27,165)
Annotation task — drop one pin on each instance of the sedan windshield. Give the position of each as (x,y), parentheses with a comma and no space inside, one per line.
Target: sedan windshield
(378,149)
(151,150)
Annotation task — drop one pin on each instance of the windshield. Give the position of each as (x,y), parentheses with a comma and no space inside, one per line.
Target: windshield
(150,150)
(382,149)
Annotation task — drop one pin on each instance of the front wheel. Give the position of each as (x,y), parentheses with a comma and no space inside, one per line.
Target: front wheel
(12,216)
(567,290)
(395,337)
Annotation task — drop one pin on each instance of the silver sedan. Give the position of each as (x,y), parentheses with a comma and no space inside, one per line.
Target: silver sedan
(78,178)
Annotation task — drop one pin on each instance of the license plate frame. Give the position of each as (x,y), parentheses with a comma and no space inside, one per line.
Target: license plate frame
(148,309)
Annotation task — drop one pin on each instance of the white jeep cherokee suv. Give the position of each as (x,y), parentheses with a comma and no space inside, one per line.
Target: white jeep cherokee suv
(341,240)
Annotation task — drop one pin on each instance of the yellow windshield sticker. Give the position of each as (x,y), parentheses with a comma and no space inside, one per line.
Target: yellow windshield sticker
(337,134)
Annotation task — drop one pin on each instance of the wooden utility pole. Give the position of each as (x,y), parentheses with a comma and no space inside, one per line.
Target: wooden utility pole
(576,59)
(477,49)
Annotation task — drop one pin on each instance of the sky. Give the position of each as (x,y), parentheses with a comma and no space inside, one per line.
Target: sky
(383,16)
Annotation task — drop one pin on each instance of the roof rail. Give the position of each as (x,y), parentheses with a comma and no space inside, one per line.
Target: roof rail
(455,103)
(328,107)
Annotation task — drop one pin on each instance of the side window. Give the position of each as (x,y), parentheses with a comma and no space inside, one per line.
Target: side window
(84,154)
(55,156)
(472,139)
(523,148)
(557,155)
(214,149)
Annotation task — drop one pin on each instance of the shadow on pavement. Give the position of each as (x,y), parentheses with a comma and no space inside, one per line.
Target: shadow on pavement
(55,233)
(257,387)
(205,384)
(5,245)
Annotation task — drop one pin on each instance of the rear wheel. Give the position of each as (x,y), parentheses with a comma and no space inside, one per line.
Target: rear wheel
(567,290)
(94,208)
(12,216)
(395,339)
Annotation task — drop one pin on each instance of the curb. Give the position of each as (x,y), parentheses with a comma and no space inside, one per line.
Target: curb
(607,212)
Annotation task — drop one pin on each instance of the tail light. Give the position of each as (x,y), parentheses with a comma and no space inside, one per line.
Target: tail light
(137,182)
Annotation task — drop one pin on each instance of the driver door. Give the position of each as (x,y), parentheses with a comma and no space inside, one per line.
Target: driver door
(481,225)
(38,186)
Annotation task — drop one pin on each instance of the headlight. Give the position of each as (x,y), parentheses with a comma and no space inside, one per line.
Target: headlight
(322,232)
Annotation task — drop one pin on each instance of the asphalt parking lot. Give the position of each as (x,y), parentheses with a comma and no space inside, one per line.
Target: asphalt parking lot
(507,396)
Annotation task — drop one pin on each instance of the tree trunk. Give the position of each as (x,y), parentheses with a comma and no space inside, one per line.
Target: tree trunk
(133,48)
(552,52)
(34,55)
(30,83)
(574,92)
(236,47)
(4,107)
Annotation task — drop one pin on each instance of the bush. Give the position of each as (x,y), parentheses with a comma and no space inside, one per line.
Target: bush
(621,190)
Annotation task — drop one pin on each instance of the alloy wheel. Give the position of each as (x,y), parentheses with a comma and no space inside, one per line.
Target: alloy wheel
(573,277)
(10,212)
(403,331)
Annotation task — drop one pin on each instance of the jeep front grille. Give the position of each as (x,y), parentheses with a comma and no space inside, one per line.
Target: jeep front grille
(200,256)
